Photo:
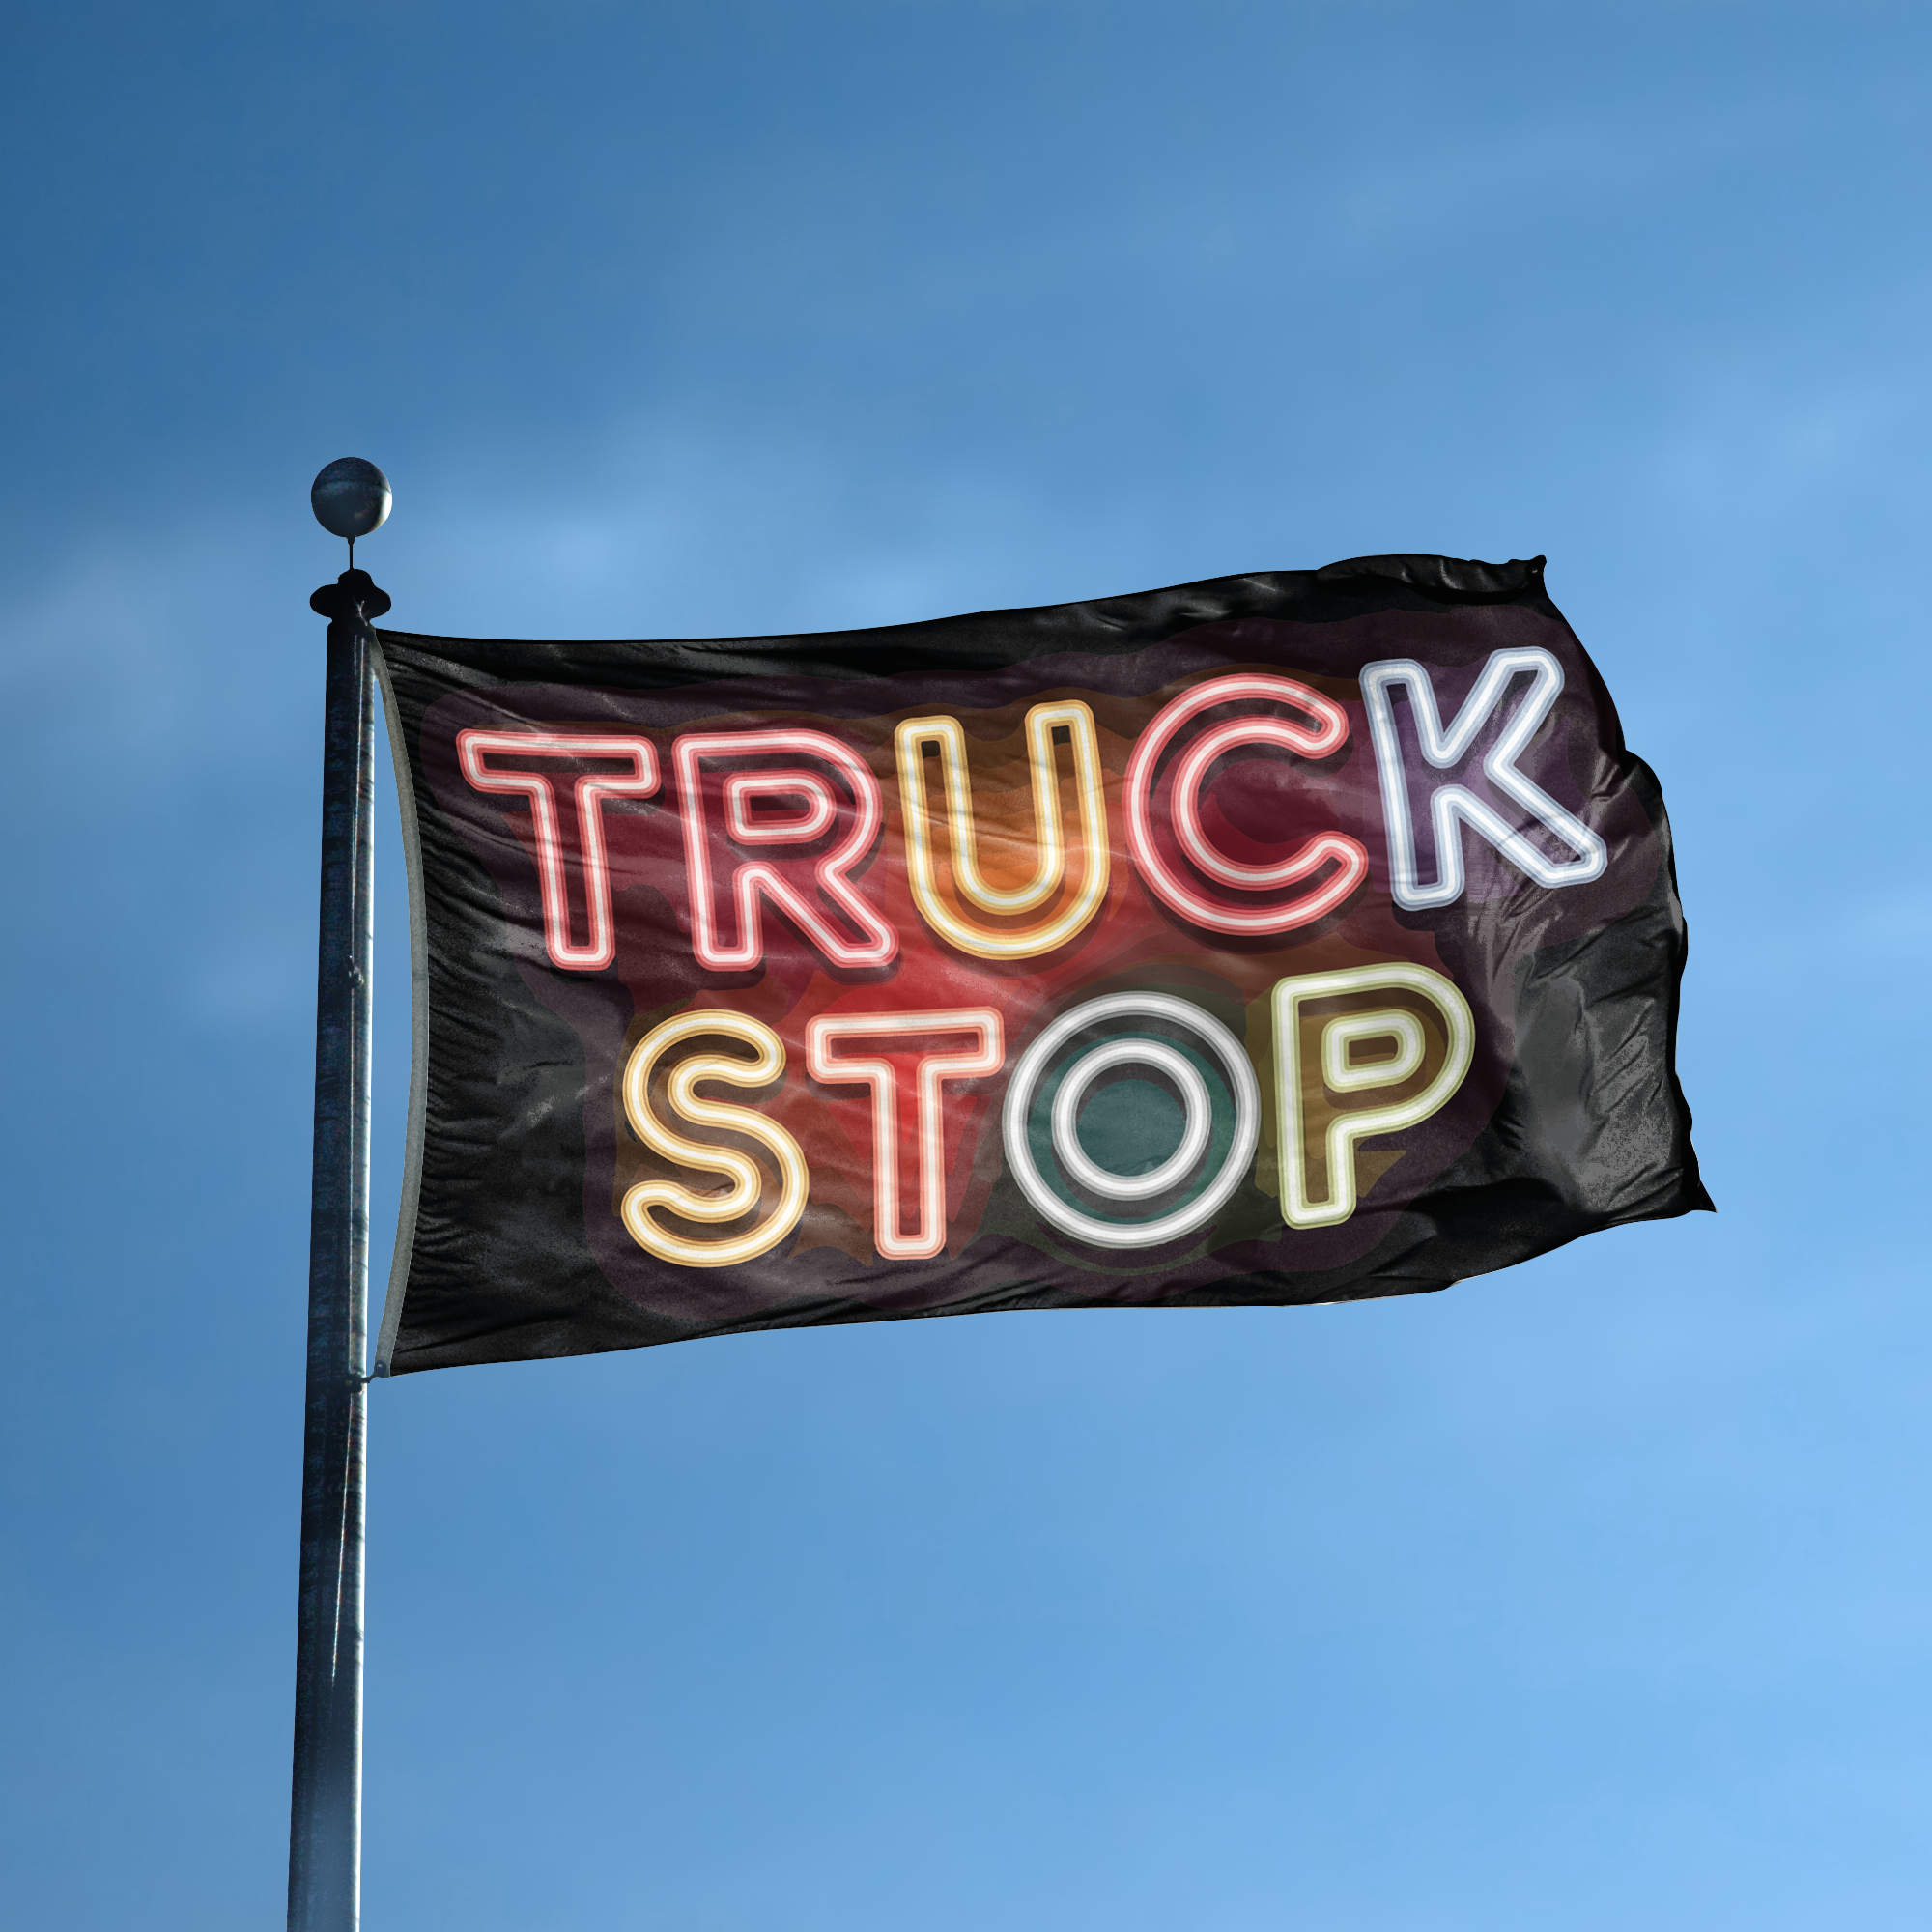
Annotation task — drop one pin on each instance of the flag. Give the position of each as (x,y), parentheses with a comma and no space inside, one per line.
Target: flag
(1296,937)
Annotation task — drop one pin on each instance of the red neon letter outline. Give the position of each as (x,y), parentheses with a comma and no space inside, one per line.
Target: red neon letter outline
(742,788)
(880,942)
(1329,731)
(474,748)
(986,1056)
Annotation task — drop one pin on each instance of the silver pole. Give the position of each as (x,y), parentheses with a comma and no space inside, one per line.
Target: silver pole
(325,1828)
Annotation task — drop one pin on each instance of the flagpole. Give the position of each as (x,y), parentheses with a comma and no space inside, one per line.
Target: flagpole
(349,498)
(326,1824)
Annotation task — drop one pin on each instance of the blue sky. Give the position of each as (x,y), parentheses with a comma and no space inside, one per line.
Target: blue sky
(1596,1594)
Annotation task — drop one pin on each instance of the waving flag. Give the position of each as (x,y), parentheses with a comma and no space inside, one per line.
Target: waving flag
(1298,937)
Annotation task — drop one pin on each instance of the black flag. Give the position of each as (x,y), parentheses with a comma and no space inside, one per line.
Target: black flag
(1296,937)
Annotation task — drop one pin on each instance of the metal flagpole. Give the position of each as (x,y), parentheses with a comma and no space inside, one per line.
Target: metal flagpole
(325,1822)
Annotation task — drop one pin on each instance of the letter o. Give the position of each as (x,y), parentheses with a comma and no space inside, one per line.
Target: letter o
(1021,1092)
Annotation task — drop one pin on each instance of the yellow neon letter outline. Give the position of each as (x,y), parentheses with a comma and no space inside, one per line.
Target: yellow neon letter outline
(747,1182)
(1341,1075)
(984,942)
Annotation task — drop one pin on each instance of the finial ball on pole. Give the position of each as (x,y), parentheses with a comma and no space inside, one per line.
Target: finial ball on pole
(351,497)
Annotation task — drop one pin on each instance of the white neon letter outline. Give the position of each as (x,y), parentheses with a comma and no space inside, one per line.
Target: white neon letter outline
(1197,1109)
(880,944)
(1329,732)
(982,942)
(1452,803)
(741,1171)
(987,1056)
(540,788)
(1338,1035)
(1032,1068)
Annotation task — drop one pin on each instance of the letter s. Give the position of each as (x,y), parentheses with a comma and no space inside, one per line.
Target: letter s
(747,1185)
